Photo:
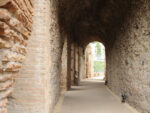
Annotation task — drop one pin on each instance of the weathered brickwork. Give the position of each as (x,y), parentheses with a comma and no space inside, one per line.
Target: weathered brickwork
(37,87)
(15,30)
(30,93)
(128,60)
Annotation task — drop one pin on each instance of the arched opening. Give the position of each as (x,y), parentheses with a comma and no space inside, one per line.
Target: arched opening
(95,62)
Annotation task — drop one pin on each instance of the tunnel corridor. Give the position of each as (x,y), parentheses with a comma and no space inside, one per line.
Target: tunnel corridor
(43,52)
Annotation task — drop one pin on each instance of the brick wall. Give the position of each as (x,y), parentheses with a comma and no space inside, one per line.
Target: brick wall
(15,30)
(31,92)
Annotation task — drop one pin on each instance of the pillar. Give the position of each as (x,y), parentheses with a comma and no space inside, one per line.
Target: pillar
(76,74)
(72,63)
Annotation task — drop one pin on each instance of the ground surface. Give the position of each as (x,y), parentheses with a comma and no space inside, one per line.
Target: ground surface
(91,97)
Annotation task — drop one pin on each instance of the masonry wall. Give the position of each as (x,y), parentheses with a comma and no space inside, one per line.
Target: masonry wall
(15,30)
(30,93)
(64,67)
(128,60)
(56,48)
(38,86)
(72,62)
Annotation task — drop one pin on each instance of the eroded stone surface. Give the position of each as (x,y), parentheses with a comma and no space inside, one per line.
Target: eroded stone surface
(15,29)
(128,60)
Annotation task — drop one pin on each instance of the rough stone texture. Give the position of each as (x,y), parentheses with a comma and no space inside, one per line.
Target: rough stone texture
(63,76)
(15,30)
(69,64)
(56,47)
(72,63)
(128,60)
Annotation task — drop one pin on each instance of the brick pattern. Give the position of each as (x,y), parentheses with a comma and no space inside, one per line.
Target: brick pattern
(15,30)
(31,89)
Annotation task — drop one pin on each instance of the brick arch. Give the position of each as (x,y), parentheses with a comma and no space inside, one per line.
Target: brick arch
(15,30)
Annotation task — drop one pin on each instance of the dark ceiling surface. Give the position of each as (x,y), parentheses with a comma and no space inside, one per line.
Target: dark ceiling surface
(94,20)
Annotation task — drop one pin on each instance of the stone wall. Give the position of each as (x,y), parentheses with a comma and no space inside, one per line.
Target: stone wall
(56,47)
(68,65)
(63,76)
(15,30)
(72,63)
(128,64)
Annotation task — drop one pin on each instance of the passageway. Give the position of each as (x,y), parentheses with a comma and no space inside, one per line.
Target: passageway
(43,54)
(92,96)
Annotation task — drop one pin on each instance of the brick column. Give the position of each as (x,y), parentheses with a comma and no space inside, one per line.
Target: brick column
(31,94)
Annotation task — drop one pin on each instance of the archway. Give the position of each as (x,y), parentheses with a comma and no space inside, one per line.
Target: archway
(95,62)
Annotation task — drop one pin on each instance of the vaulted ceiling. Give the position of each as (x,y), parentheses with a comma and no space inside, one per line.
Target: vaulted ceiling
(94,20)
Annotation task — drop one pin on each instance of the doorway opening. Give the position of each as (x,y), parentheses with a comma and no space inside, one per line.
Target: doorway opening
(95,62)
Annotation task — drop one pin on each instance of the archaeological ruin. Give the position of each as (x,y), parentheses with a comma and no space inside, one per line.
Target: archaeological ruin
(42,50)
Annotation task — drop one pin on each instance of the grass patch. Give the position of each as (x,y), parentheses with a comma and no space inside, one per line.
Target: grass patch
(99,66)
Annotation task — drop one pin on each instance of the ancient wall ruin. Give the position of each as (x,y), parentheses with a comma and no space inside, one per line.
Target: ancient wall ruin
(37,87)
(31,88)
(15,30)
(39,41)
(128,59)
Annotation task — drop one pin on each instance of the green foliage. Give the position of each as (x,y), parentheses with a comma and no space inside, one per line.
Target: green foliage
(98,47)
(99,66)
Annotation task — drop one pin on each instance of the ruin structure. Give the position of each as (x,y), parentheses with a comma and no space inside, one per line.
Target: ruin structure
(42,50)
